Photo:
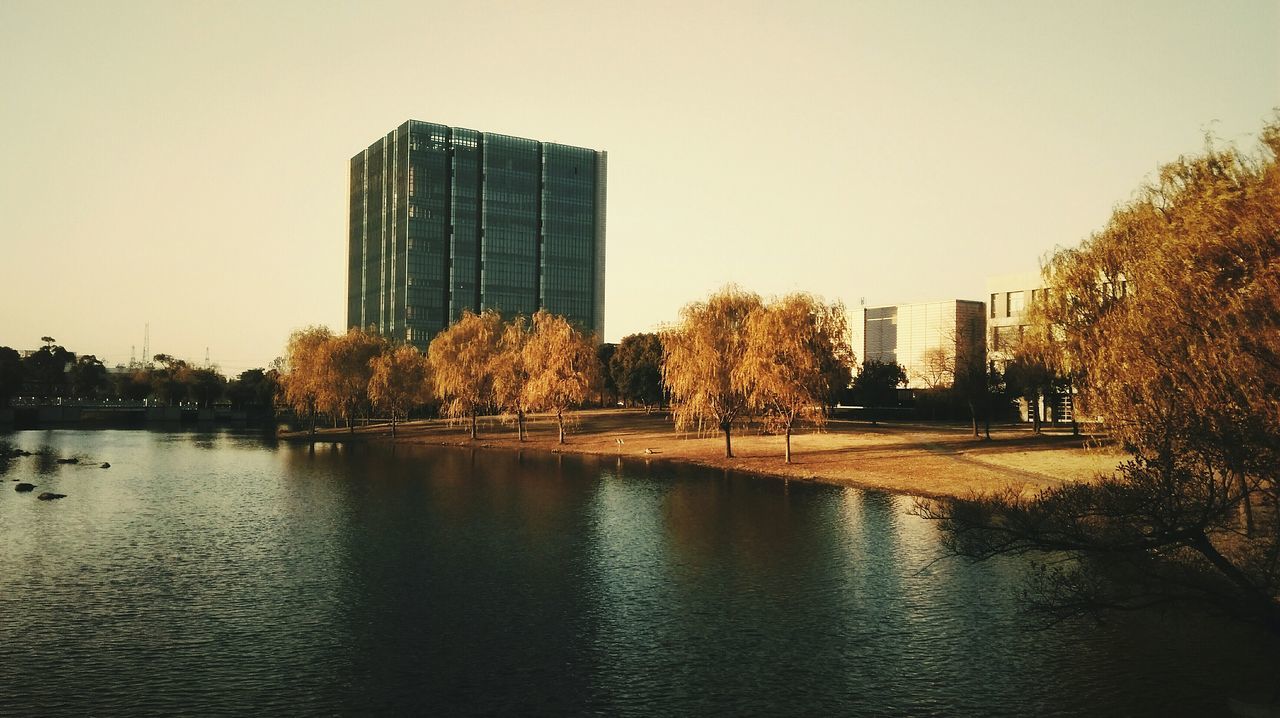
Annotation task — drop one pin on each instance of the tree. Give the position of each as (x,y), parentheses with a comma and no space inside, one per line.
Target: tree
(1030,375)
(205,385)
(254,390)
(346,371)
(562,365)
(837,366)
(88,377)
(133,385)
(510,372)
(877,384)
(400,380)
(47,368)
(1171,318)
(701,355)
(10,374)
(461,358)
(303,376)
(608,387)
(167,380)
(981,387)
(637,369)
(791,343)
(938,367)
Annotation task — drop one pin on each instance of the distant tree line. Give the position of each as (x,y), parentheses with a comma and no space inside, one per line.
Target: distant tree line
(730,359)
(52,372)
(480,365)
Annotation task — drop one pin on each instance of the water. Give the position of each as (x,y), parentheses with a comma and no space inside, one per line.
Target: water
(215,573)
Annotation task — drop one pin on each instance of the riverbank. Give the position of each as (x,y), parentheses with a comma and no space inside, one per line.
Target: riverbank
(911,458)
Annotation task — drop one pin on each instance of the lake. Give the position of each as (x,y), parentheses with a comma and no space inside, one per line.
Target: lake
(221,573)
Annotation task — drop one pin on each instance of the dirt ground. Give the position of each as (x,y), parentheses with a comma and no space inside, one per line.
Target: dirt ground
(903,457)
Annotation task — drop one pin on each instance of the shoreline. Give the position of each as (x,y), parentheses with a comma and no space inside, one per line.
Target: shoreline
(930,460)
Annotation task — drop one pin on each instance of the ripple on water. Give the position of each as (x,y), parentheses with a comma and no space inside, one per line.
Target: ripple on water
(215,574)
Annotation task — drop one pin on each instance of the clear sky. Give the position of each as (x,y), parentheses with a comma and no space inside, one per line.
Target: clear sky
(185,163)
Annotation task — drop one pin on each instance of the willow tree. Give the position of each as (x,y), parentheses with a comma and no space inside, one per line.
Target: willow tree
(461,358)
(785,369)
(701,355)
(562,365)
(400,380)
(346,371)
(510,372)
(1171,317)
(303,371)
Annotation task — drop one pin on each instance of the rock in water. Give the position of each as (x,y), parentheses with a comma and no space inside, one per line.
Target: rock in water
(50,496)
(105,465)
(24,487)
(72,460)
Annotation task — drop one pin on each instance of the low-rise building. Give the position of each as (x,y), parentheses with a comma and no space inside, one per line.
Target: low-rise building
(929,339)
(1009,296)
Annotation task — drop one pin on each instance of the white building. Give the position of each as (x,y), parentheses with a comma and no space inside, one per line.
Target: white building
(929,339)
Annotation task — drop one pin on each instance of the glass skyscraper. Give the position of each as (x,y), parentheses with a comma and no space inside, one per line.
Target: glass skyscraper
(445,219)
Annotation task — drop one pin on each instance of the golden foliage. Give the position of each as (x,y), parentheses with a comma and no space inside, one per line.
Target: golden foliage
(510,372)
(701,354)
(400,380)
(1170,316)
(461,359)
(302,372)
(345,372)
(791,344)
(563,370)
(1172,312)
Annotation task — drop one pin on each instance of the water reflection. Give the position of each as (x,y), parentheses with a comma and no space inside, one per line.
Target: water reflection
(205,568)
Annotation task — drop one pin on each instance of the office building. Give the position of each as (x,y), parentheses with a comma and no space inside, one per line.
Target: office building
(929,339)
(445,220)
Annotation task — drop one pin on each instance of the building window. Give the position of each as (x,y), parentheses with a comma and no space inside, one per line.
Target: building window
(1003,338)
(993,305)
(1015,302)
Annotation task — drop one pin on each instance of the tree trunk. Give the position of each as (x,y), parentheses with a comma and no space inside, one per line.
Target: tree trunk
(973,417)
(520,423)
(725,426)
(560,421)
(393,425)
(788,442)
(1246,505)
(473,426)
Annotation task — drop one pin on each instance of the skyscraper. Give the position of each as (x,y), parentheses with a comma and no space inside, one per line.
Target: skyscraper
(445,219)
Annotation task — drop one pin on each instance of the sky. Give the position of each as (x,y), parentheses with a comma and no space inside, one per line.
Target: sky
(183,165)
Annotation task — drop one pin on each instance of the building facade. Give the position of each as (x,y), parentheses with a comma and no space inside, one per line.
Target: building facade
(445,220)
(929,339)
(1010,296)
